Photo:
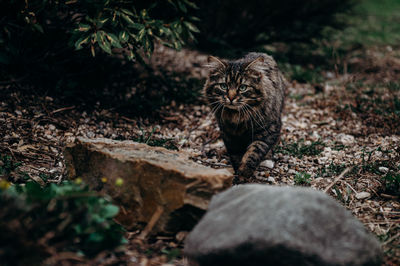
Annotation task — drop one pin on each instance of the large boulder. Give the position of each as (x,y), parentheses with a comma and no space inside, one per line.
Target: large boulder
(161,189)
(270,225)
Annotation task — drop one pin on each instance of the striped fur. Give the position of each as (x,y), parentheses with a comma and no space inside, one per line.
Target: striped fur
(247,97)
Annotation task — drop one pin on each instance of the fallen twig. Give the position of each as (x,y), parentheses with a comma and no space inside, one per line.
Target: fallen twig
(154,219)
(337,179)
(63,109)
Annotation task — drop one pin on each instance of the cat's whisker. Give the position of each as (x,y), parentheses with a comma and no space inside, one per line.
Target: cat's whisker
(215,108)
(258,117)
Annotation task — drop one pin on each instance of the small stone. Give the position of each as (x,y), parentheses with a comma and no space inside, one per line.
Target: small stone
(363,195)
(271,179)
(180,236)
(383,169)
(291,171)
(323,160)
(52,127)
(285,158)
(345,139)
(268,163)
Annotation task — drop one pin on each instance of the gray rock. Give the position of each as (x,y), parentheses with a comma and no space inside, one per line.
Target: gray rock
(270,225)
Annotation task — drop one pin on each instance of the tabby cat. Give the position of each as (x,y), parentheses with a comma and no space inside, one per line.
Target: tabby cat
(247,97)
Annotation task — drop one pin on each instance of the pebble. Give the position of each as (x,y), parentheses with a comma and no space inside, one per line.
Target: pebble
(291,171)
(383,169)
(268,163)
(322,160)
(271,179)
(345,139)
(363,195)
(90,134)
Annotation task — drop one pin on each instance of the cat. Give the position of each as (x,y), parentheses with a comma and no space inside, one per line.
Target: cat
(247,98)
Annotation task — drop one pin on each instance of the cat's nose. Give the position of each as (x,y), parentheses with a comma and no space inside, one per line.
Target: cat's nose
(231,96)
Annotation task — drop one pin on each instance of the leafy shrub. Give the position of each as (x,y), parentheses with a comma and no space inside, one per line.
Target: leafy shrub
(36,222)
(90,24)
(50,43)
(302,179)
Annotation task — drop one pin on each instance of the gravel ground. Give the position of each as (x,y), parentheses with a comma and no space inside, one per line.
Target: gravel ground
(319,141)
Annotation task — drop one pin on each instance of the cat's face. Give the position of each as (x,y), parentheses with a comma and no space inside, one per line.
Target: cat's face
(234,85)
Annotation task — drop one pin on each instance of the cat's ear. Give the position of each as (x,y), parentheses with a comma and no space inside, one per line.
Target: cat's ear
(214,62)
(256,64)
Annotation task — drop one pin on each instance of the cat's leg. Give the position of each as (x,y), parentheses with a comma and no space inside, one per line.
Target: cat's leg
(251,159)
(255,153)
(235,160)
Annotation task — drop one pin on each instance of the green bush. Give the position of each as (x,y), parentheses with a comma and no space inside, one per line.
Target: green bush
(51,44)
(38,221)
(92,24)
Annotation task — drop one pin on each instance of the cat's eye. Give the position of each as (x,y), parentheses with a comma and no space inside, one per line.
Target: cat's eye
(243,87)
(223,86)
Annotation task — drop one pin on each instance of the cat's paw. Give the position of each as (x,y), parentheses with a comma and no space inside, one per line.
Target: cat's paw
(238,179)
(245,172)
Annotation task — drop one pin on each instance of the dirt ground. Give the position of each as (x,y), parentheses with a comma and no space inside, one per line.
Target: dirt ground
(327,128)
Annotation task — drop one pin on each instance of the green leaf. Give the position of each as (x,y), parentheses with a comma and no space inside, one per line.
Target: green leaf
(141,34)
(123,36)
(178,27)
(191,37)
(172,3)
(95,237)
(84,27)
(191,26)
(100,23)
(192,18)
(80,41)
(103,43)
(113,39)
(191,4)
(182,6)
(38,27)
(127,19)
(177,45)
(136,26)
(110,210)
(128,12)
